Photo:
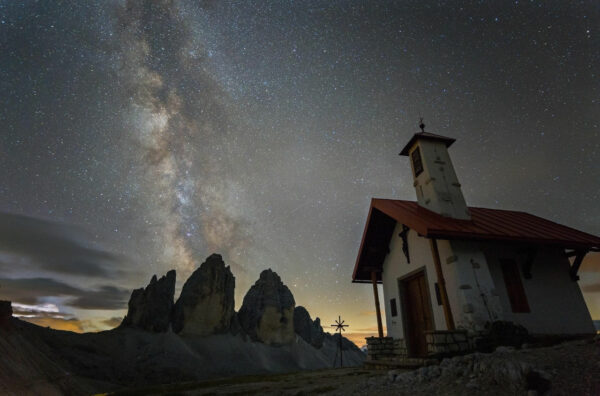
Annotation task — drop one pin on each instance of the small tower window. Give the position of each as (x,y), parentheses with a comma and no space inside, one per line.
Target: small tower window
(417,163)
(438,295)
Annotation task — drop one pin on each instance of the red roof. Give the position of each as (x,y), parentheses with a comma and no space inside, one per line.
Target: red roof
(485,224)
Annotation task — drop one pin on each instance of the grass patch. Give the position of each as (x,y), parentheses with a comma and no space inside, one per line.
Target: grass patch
(323,389)
(170,389)
(352,373)
(294,380)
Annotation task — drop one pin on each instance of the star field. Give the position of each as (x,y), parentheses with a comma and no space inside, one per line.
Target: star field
(151,134)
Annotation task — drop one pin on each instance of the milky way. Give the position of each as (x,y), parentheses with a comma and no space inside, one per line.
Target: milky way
(181,137)
(153,133)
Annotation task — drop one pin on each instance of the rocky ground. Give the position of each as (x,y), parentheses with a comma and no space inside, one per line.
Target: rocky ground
(571,368)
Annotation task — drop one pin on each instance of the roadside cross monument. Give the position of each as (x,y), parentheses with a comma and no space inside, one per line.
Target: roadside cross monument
(339,327)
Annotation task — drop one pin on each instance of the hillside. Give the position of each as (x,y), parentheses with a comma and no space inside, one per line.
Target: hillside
(198,337)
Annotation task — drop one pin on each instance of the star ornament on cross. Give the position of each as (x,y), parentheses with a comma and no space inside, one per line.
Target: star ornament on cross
(339,325)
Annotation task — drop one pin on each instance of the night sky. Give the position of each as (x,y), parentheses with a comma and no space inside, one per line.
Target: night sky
(141,136)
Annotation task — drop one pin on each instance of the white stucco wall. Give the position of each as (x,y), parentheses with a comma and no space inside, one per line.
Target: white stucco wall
(395,267)
(471,289)
(437,187)
(476,289)
(556,302)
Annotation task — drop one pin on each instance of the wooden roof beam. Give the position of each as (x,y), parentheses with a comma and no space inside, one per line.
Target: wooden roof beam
(576,264)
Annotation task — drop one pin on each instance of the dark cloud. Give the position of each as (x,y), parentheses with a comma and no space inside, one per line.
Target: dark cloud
(33,290)
(106,297)
(30,290)
(52,246)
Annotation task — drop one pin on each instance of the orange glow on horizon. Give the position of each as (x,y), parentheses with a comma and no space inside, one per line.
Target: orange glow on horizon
(57,324)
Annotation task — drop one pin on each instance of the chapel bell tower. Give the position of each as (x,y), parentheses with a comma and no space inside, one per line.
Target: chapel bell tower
(435,181)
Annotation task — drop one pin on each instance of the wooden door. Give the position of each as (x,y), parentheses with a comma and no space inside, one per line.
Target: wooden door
(417,306)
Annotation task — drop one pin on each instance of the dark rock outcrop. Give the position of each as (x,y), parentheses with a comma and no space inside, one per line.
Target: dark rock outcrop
(5,313)
(267,313)
(309,331)
(150,308)
(206,303)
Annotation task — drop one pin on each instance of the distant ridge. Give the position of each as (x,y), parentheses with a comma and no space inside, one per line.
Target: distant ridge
(268,314)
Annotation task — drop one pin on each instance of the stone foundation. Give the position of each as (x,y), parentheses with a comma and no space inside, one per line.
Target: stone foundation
(441,343)
(386,348)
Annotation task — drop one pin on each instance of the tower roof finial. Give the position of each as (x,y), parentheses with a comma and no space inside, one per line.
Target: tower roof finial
(421,125)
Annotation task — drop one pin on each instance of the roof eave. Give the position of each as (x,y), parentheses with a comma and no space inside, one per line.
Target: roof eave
(448,141)
(362,242)
(366,281)
(441,234)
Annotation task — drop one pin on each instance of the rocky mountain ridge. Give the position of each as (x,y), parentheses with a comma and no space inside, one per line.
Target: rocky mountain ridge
(206,307)
(160,341)
(206,303)
(151,308)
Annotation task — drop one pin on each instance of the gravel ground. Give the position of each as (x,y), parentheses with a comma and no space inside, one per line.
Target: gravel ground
(571,368)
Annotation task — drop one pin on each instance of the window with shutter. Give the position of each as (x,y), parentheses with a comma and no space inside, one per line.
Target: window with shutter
(514,286)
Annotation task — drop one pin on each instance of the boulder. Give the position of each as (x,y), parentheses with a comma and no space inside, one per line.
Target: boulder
(267,312)
(501,333)
(206,303)
(5,313)
(309,331)
(150,308)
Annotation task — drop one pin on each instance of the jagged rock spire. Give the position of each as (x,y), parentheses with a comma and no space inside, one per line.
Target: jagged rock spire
(309,331)
(150,307)
(267,312)
(206,303)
